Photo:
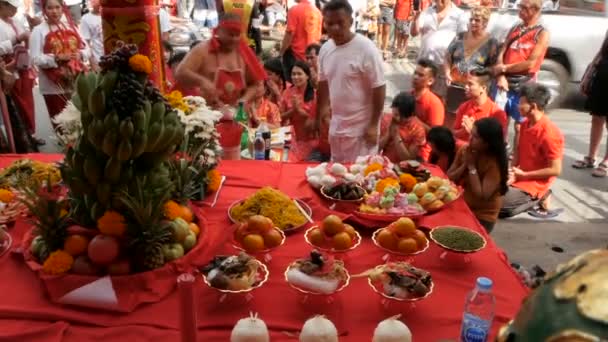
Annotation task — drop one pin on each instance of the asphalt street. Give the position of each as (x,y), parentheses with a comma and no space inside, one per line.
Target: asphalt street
(526,240)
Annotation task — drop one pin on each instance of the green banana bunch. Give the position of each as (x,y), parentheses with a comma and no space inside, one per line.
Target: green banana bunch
(108,82)
(97,103)
(85,83)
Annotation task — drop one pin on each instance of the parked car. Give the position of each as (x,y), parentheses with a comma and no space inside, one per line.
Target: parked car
(576,34)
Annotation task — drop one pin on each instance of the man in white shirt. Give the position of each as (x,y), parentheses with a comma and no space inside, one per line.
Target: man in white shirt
(438,25)
(90,31)
(165,23)
(351,78)
(75,10)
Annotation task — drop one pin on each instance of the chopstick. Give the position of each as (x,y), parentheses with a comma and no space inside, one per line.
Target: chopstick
(303,211)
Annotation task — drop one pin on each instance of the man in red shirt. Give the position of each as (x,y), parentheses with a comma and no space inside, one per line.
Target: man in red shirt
(537,160)
(478,106)
(429,107)
(304,22)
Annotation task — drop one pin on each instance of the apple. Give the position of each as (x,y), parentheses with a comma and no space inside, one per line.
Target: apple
(173,251)
(189,241)
(83,265)
(103,249)
(180,229)
(121,267)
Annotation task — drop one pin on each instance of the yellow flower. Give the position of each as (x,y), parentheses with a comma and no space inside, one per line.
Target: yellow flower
(176,100)
(58,262)
(372,168)
(140,63)
(63,213)
(407,181)
(172,210)
(385,183)
(112,223)
(215,180)
(6,196)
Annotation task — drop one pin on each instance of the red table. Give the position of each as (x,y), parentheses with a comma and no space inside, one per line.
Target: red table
(27,315)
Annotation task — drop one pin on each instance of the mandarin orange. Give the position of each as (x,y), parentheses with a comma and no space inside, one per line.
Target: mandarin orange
(420,238)
(387,239)
(342,241)
(260,224)
(272,238)
(407,245)
(332,225)
(316,237)
(253,243)
(76,244)
(403,227)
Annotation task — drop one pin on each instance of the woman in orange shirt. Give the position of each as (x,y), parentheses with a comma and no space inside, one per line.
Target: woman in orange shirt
(260,108)
(481,168)
(443,147)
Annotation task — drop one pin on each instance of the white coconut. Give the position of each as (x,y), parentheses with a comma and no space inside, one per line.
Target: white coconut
(338,169)
(349,177)
(319,329)
(250,329)
(314,181)
(328,180)
(392,330)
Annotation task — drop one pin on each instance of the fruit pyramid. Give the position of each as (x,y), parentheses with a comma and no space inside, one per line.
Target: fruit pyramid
(129,134)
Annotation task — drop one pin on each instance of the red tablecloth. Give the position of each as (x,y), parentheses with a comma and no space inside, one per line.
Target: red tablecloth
(27,315)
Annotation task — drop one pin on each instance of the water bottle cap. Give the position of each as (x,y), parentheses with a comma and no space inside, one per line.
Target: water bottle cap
(484,283)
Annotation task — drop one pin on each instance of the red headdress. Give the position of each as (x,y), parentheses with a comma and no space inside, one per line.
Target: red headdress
(251,61)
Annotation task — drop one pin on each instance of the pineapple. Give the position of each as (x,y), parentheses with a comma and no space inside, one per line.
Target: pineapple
(188,178)
(49,221)
(147,232)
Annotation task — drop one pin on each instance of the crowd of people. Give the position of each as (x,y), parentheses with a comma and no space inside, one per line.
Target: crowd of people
(328,83)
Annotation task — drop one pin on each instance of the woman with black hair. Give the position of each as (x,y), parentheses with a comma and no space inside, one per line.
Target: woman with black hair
(298,104)
(443,147)
(275,83)
(481,168)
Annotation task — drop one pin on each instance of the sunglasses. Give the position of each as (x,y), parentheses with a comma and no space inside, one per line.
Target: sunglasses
(526,7)
(476,20)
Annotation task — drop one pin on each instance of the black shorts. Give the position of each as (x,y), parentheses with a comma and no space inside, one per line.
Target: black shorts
(387,16)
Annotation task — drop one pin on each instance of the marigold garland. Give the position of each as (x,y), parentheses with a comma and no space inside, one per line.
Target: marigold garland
(6,196)
(112,223)
(407,181)
(373,167)
(215,180)
(140,63)
(59,262)
(386,182)
(172,210)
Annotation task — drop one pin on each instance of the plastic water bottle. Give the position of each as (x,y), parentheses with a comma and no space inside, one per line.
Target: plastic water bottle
(478,312)
(258,146)
(263,128)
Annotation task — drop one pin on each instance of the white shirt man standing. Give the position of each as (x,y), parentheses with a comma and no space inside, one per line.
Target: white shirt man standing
(351,78)
(438,25)
(90,30)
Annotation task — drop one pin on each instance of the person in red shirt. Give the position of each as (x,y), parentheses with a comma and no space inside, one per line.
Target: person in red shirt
(402,135)
(443,147)
(429,107)
(304,22)
(520,58)
(537,160)
(260,108)
(403,11)
(478,106)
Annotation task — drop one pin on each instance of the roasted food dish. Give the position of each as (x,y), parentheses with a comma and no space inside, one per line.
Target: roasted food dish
(234,272)
(271,203)
(414,168)
(319,273)
(344,192)
(401,280)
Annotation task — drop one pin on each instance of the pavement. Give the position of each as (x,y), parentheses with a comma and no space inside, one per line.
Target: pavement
(529,241)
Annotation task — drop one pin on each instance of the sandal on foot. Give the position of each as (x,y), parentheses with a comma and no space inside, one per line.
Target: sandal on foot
(585,163)
(601,170)
(539,212)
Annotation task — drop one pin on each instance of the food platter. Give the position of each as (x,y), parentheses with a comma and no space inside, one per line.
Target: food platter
(356,242)
(482,241)
(382,280)
(343,284)
(420,251)
(386,218)
(332,199)
(380,291)
(238,246)
(445,204)
(302,204)
(261,278)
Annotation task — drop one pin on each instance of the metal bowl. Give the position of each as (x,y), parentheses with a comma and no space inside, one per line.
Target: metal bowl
(303,204)
(263,275)
(420,251)
(432,237)
(345,282)
(356,243)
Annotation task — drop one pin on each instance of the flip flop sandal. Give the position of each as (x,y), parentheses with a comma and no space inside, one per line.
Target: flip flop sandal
(545,214)
(585,163)
(600,171)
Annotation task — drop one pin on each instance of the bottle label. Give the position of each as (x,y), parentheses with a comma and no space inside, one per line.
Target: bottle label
(474,329)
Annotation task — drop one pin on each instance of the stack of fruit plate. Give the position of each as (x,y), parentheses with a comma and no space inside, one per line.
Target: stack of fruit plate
(333,236)
(401,237)
(257,236)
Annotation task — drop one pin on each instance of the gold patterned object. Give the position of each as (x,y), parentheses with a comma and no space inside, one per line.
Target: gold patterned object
(571,305)
(27,173)
(122,28)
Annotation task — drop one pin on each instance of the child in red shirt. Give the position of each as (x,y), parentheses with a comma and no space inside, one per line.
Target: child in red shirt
(402,135)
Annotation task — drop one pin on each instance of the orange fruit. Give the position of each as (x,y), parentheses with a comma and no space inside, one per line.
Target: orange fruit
(272,238)
(240,232)
(420,238)
(186,214)
(76,244)
(387,239)
(253,243)
(342,241)
(350,230)
(407,245)
(194,228)
(260,224)
(316,237)
(332,225)
(403,227)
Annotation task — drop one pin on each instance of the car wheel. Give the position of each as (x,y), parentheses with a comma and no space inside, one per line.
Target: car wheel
(556,78)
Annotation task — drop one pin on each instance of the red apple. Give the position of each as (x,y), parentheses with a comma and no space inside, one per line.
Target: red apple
(83,265)
(121,267)
(103,249)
